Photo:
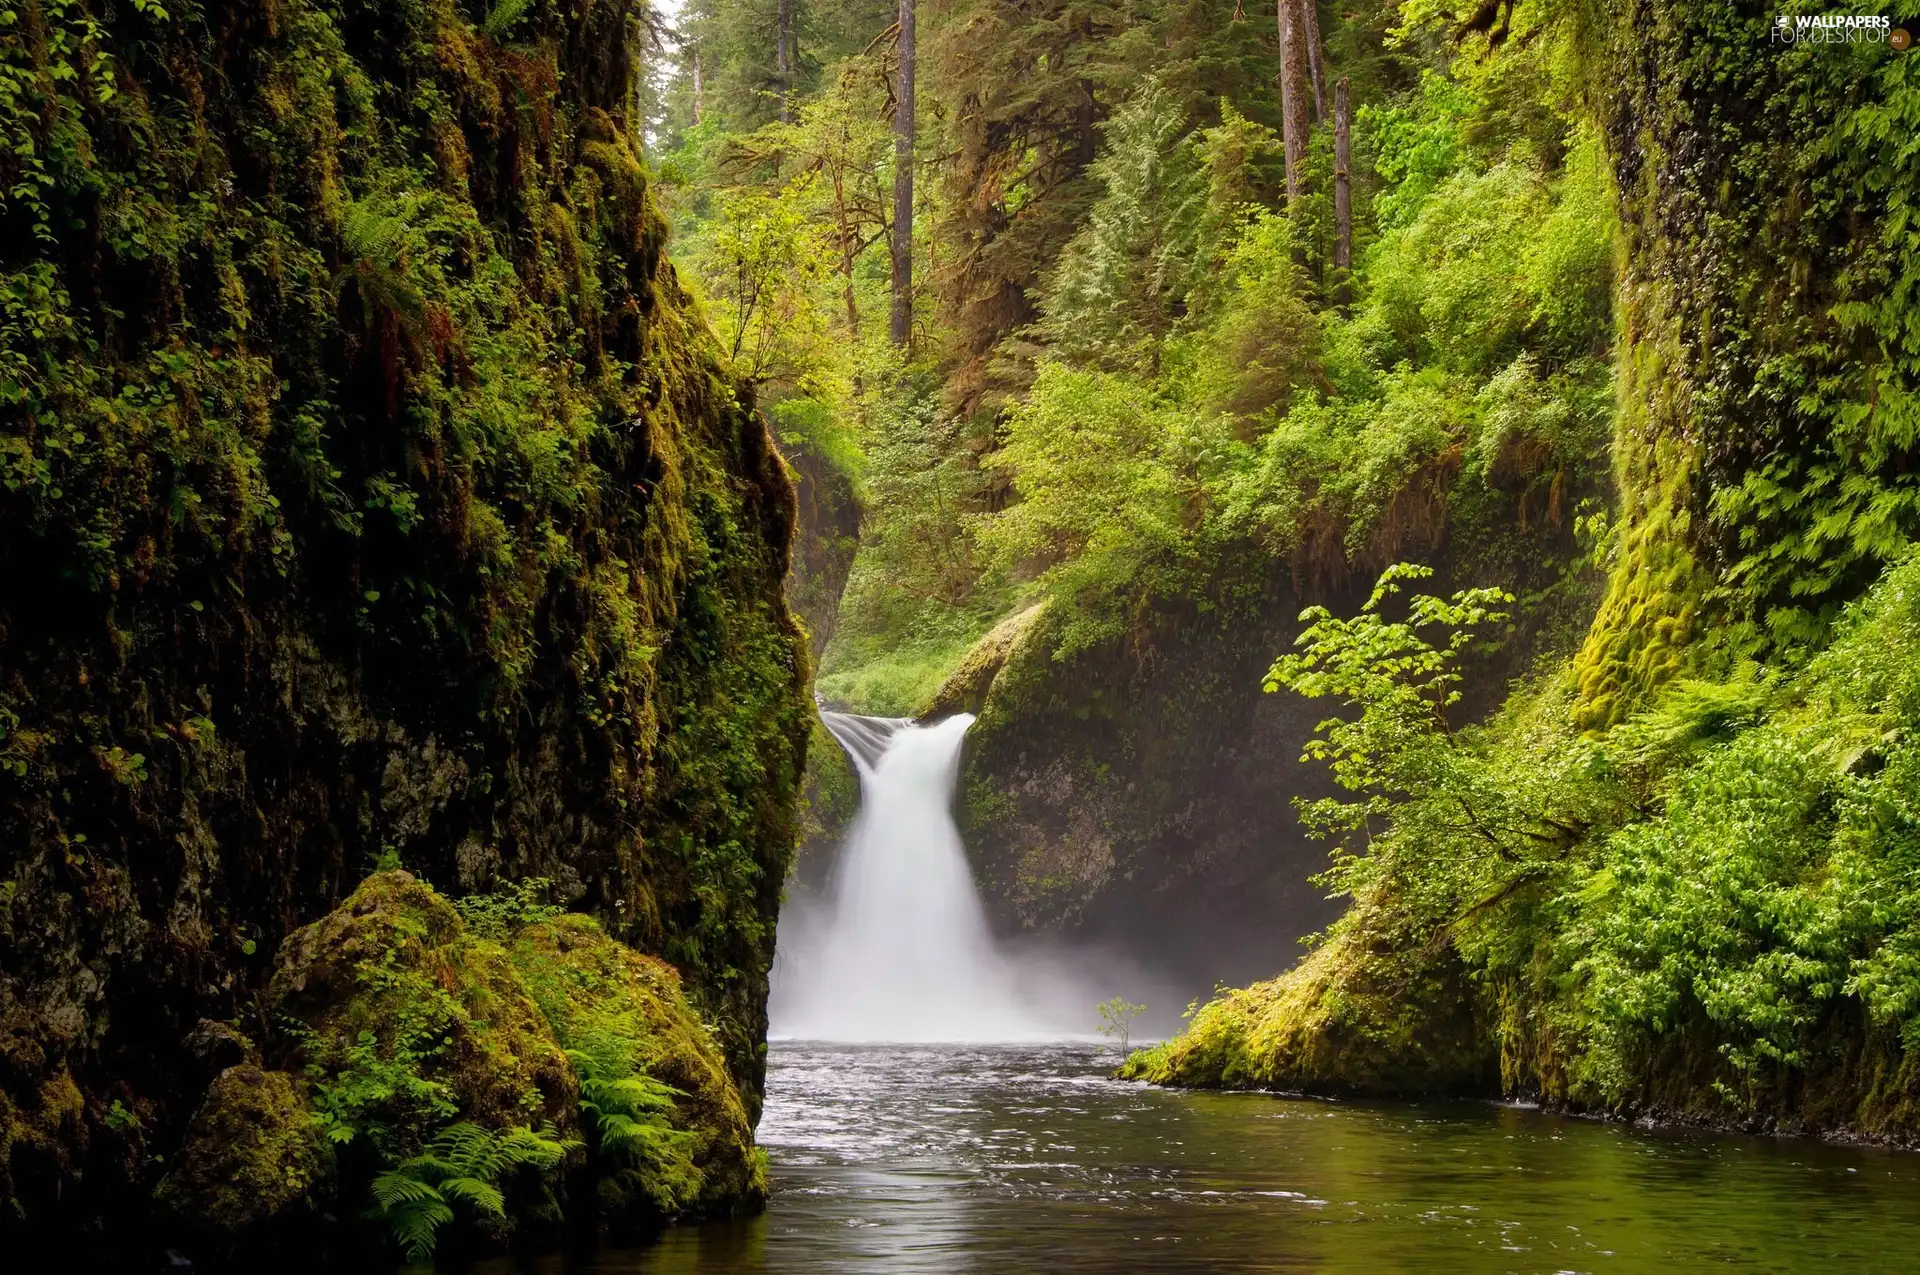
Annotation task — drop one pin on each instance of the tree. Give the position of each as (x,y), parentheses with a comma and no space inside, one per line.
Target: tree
(783,56)
(1316,56)
(1116,1019)
(1294,88)
(1342,192)
(903,139)
(1122,280)
(763,264)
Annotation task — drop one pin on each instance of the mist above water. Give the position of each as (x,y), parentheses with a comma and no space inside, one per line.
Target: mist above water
(901,951)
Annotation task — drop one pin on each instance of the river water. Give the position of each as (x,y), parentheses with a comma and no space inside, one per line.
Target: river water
(1028,1159)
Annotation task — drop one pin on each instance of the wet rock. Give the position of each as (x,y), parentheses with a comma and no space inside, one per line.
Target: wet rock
(624,1014)
(254,1157)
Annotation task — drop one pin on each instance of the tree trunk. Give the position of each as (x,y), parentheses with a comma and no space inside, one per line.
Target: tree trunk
(699,87)
(903,127)
(1342,193)
(783,58)
(1316,56)
(637,82)
(1294,90)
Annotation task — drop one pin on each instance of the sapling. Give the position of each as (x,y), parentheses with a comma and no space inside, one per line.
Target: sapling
(1116,1019)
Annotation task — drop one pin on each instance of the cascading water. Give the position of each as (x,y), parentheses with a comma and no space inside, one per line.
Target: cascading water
(902,952)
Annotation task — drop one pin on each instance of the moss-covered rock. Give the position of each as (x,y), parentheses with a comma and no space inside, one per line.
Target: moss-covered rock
(408,1020)
(621,1013)
(967,687)
(391,979)
(1763,444)
(254,1157)
(1359,1015)
(43,1132)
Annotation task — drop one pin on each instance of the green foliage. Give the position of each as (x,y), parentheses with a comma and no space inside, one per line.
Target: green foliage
(464,1164)
(920,592)
(376,1084)
(1780,880)
(1121,281)
(1116,1018)
(632,1122)
(1399,683)
(498,915)
(764,262)
(1714,905)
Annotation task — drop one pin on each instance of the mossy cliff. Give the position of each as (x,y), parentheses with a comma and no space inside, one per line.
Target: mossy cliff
(1767,425)
(1695,897)
(1127,793)
(370,493)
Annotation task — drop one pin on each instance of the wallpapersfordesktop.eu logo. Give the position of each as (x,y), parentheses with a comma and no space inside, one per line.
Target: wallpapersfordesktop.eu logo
(1837,28)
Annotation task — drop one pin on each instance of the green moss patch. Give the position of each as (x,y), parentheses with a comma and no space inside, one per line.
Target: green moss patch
(504,1042)
(254,1157)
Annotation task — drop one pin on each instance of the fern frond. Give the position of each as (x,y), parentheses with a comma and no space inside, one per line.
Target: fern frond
(371,235)
(397,1187)
(415,1226)
(503,16)
(482,1195)
(542,1148)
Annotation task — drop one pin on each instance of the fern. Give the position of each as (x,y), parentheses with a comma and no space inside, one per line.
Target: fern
(463,1164)
(382,242)
(630,1113)
(503,16)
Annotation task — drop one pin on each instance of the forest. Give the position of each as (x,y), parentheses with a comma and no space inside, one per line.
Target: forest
(1577,481)
(1417,499)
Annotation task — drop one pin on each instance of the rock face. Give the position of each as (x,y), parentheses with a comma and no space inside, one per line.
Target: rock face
(254,1160)
(826,536)
(1763,446)
(1142,797)
(1139,794)
(372,495)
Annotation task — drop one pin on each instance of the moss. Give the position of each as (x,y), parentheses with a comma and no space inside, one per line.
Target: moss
(391,979)
(1645,631)
(407,1021)
(44,1135)
(968,686)
(381,497)
(254,1156)
(599,994)
(833,799)
(1359,1015)
(1764,442)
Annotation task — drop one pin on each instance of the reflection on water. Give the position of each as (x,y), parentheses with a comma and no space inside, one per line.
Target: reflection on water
(1015,1159)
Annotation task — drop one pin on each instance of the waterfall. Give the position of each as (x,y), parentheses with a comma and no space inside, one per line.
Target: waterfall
(902,951)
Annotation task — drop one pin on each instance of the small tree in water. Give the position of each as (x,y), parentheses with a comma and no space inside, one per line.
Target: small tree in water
(1116,1019)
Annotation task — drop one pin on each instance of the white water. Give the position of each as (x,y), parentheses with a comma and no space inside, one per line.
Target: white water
(902,951)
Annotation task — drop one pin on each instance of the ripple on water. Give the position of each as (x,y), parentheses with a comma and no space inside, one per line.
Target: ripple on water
(1017,1159)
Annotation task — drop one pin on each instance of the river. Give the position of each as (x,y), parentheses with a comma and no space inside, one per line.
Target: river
(1028,1159)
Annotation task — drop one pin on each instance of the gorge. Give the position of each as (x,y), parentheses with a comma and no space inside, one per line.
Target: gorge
(616,621)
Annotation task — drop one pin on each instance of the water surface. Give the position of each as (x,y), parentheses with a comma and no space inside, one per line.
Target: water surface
(1017,1159)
